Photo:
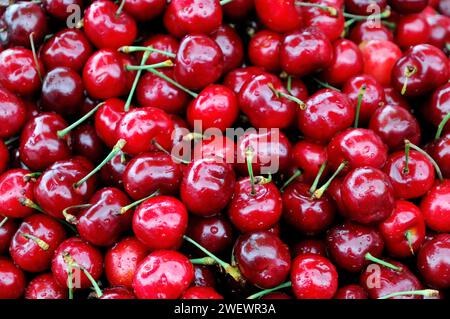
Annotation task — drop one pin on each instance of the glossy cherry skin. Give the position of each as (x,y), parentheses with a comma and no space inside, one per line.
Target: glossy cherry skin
(309,246)
(347,62)
(231,46)
(201,293)
(366,31)
(26,253)
(7,232)
(368,195)
(327,113)
(13,114)
(18,71)
(262,258)
(262,106)
(144,10)
(12,280)
(199,62)
(86,142)
(411,30)
(156,92)
(349,243)
(433,263)
(40,145)
(214,233)
(111,174)
(238,9)
(62,91)
(67,48)
(107,119)
(372,99)
(408,6)
(359,147)
(304,52)
(160,222)
(255,211)
(416,181)
(151,172)
(313,277)
(278,16)
(203,277)
(236,78)
(163,42)
(395,124)
(54,190)
(104,76)
(207,186)
(163,275)
(14,186)
(392,97)
(84,255)
(404,230)
(215,107)
(216,147)
(439,106)
(117,293)
(351,292)
(141,127)
(440,152)
(363,7)
(23,19)
(61,9)
(379,281)
(308,157)
(264,50)
(439,27)
(44,286)
(122,260)
(432,70)
(308,215)
(105,28)
(435,207)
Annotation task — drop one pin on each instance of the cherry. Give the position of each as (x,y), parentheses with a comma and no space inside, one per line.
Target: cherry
(163,275)
(62,91)
(107,26)
(411,30)
(207,186)
(199,62)
(111,174)
(218,147)
(313,277)
(204,277)
(19,71)
(433,263)
(297,89)
(362,7)
(366,30)
(408,6)
(308,157)
(439,25)
(264,50)
(44,286)
(117,293)
(12,280)
(305,52)
(347,62)
(67,48)
(4,156)
(440,151)
(327,112)
(122,259)
(8,228)
(23,19)
(13,114)
(262,258)
(214,233)
(231,46)
(107,118)
(368,195)
(309,246)
(435,207)
(276,295)
(395,124)
(144,10)
(351,292)
(61,9)
(279,16)
(86,142)
(162,45)
(439,107)
(201,293)
(236,78)
(238,9)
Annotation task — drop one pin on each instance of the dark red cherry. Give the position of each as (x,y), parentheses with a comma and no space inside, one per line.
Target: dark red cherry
(163,274)
(111,174)
(107,119)
(440,152)
(367,30)
(107,27)
(439,106)
(411,30)
(309,246)
(313,277)
(44,286)
(201,293)
(231,46)
(297,88)
(122,260)
(35,242)
(276,295)
(62,9)
(204,277)
(40,145)
(439,25)
(237,77)
(238,9)
(392,97)
(7,230)
(12,280)
(368,195)
(144,10)
(86,142)
(199,62)
(213,233)
(364,7)
(308,157)
(67,48)
(351,292)
(117,293)
(435,207)
(433,263)
(264,50)
(207,186)
(62,91)
(262,258)
(15,187)
(279,16)
(13,114)
(408,6)
(349,245)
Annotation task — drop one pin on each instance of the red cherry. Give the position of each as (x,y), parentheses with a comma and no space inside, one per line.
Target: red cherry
(144,10)
(276,295)
(7,230)
(366,31)
(439,26)
(309,246)
(238,9)
(362,7)
(15,187)
(264,50)
(440,152)
(278,16)
(201,293)
(411,30)
(117,293)
(111,174)
(231,46)
(163,42)
(87,143)
(61,9)
(204,277)
(439,107)
(107,119)
(408,6)
(45,287)
(308,157)
(238,77)
(435,207)
(12,280)
(351,292)
(163,275)
(433,263)
(214,233)
(216,147)
(13,114)
(4,157)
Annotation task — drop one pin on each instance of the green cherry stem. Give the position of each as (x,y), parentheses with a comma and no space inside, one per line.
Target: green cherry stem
(318,193)
(292,98)
(441,126)
(11,140)
(64,132)
(385,14)
(409,71)
(124,209)
(31,176)
(317,179)
(421,151)
(42,244)
(425,293)
(289,84)
(119,10)
(408,235)
(29,203)
(131,49)
(4,220)
(175,158)
(206,261)
(325,84)
(407,151)
(361,92)
(224,2)
(248,159)
(379,261)
(296,174)
(268,291)
(173,82)
(70,280)
(332,11)
(35,58)
(136,80)
(73,264)
(71,219)
(164,64)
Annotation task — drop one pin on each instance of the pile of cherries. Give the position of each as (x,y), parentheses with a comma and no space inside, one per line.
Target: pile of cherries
(350,99)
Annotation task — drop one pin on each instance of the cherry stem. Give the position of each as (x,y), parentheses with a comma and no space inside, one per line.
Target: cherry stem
(379,261)
(332,11)
(124,209)
(348,23)
(249,159)
(317,179)
(165,64)
(116,149)
(390,25)
(205,261)
(64,132)
(119,10)
(421,151)
(268,291)
(224,2)
(136,80)
(407,149)
(318,193)
(71,219)
(425,293)
(73,264)
(11,140)
(29,203)
(130,49)
(410,70)
(5,219)
(296,174)
(385,14)
(232,271)
(193,136)
(441,126)
(325,84)
(175,158)
(31,176)
(42,244)
(292,98)
(70,281)
(173,82)
(362,91)
(261,180)
(33,50)
(408,235)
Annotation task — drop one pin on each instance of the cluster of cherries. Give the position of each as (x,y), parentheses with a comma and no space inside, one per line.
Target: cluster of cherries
(355,99)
